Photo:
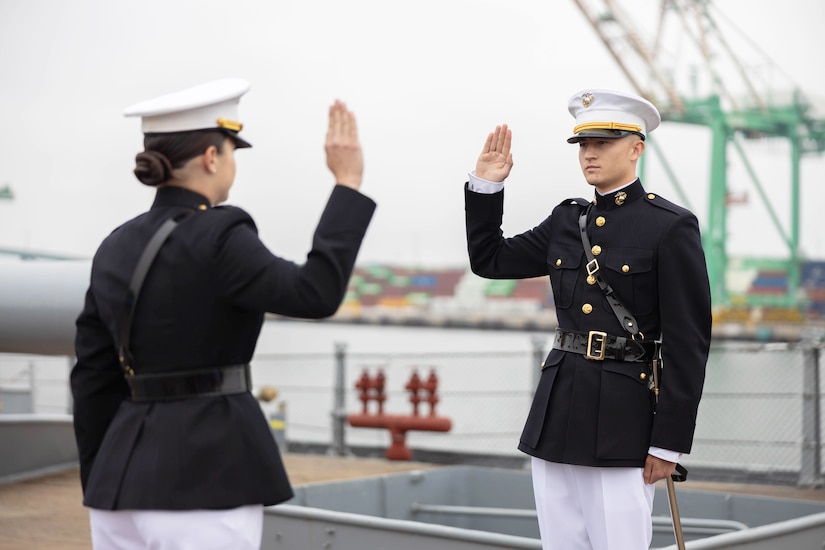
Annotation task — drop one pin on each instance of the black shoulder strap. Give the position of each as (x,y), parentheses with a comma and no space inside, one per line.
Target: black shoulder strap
(143,265)
(622,314)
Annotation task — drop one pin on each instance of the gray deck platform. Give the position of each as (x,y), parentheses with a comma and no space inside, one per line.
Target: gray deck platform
(348,503)
(463,507)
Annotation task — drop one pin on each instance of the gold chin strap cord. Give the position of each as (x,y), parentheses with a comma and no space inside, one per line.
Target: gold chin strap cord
(227,124)
(607,126)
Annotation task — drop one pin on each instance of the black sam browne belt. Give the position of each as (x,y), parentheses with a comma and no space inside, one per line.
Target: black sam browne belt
(189,384)
(599,346)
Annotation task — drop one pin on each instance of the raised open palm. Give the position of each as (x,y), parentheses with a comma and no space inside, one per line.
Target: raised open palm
(495,161)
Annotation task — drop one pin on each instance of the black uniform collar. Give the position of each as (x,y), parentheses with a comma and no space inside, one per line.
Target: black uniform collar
(171,195)
(620,197)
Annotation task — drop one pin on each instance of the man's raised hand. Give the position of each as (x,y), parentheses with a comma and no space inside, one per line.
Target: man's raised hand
(496,160)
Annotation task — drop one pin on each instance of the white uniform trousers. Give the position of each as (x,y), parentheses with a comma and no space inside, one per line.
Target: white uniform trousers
(236,528)
(585,508)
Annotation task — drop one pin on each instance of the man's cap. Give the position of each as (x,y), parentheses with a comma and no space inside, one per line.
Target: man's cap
(209,106)
(608,114)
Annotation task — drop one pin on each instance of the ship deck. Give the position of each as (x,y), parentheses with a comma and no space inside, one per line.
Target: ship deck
(47,512)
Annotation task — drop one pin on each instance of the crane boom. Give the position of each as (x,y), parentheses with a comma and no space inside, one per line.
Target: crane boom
(730,104)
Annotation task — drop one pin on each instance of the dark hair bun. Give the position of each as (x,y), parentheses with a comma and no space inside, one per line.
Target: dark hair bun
(152,168)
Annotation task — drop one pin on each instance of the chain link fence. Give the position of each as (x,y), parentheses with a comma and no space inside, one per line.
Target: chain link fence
(487,397)
(759,418)
(759,415)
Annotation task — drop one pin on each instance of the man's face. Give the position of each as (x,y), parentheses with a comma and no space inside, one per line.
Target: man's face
(609,163)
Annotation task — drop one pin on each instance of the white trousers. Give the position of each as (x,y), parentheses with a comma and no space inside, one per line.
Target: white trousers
(584,508)
(237,528)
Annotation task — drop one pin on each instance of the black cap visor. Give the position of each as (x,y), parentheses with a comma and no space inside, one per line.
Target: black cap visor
(240,143)
(602,134)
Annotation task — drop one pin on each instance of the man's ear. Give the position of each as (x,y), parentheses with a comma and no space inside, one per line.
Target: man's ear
(638,149)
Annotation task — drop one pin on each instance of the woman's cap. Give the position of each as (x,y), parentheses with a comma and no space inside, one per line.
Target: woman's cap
(209,106)
(604,113)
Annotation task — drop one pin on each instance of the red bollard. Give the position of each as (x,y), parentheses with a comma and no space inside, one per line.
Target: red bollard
(413,386)
(363,385)
(430,386)
(399,425)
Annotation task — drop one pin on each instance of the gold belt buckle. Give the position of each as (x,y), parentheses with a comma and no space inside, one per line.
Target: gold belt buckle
(600,339)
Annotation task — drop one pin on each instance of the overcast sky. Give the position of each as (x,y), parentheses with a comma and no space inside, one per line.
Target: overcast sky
(427,80)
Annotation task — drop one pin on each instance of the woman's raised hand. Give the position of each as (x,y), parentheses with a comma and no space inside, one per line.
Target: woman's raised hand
(344,157)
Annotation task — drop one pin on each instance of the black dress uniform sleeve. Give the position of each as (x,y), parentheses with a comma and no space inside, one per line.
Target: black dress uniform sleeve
(98,385)
(250,276)
(491,255)
(685,310)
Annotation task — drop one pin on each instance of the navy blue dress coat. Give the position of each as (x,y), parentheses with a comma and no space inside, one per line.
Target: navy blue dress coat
(202,305)
(602,413)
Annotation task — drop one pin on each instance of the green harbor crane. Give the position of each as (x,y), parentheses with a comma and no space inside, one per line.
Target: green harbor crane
(731,105)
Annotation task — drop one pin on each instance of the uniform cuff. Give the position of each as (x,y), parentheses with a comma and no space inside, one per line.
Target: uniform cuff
(479,185)
(664,454)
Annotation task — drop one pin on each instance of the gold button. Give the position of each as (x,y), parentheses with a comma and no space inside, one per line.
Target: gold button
(202,207)
(600,221)
(591,280)
(642,376)
(651,196)
(596,250)
(625,268)
(542,364)
(586,309)
(558,262)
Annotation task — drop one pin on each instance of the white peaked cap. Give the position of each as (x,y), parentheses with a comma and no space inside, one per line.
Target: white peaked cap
(611,114)
(213,105)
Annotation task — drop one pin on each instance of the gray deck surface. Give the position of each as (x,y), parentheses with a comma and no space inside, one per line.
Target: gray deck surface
(47,513)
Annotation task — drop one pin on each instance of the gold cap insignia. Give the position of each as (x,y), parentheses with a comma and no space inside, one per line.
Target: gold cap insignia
(587,99)
(620,197)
